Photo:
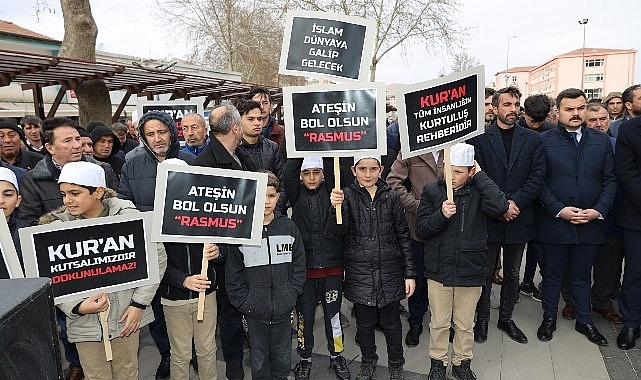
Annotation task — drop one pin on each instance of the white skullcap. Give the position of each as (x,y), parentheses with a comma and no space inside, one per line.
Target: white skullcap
(374,156)
(83,173)
(462,155)
(312,162)
(174,161)
(9,176)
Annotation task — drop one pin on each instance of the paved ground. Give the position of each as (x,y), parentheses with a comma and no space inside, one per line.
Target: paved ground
(568,356)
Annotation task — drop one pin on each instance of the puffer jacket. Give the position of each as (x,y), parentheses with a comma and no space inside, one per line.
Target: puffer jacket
(310,213)
(138,174)
(41,193)
(265,154)
(264,281)
(456,248)
(87,328)
(377,253)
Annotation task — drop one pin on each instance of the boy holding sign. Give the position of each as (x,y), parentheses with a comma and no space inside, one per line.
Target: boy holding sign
(84,196)
(9,201)
(455,257)
(263,282)
(379,264)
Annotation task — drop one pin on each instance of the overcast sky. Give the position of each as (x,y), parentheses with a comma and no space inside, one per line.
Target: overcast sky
(543,29)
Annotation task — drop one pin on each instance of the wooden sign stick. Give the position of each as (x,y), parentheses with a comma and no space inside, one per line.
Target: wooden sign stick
(337,185)
(104,315)
(447,168)
(200,314)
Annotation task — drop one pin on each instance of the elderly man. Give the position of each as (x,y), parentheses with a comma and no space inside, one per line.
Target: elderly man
(138,184)
(11,150)
(32,127)
(195,132)
(578,193)
(226,134)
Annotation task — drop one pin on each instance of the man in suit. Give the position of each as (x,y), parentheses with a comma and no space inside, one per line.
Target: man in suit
(628,171)
(226,133)
(579,191)
(512,157)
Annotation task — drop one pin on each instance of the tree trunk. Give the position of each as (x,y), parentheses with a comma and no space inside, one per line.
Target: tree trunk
(79,42)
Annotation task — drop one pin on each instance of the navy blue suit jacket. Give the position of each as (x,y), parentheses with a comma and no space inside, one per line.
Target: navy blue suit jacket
(521,178)
(582,178)
(628,170)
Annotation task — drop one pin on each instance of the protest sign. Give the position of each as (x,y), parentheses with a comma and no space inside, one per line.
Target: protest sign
(177,109)
(9,262)
(88,256)
(435,114)
(326,45)
(335,120)
(196,204)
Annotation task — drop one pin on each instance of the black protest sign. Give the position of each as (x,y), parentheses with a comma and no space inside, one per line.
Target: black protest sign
(84,257)
(175,109)
(335,120)
(198,205)
(326,45)
(9,263)
(436,114)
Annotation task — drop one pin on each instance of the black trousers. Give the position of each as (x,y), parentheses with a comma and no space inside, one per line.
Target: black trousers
(630,296)
(232,334)
(366,317)
(606,272)
(271,353)
(329,290)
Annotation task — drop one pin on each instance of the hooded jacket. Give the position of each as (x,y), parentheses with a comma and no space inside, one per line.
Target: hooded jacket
(377,252)
(456,248)
(114,158)
(87,328)
(138,175)
(264,281)
(41,193)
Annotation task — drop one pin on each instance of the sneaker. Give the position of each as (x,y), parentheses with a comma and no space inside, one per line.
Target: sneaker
(339,365)
(437,370)
(234,371)
(530,290)
(302,370)
(396,372)
(463,371)
(162,373)
(367,370)
(344,320)
(495,301)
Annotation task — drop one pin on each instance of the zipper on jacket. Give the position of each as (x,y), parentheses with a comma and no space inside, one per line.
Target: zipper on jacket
(271,284)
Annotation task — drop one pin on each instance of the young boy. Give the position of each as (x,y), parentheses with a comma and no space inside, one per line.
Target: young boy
(379,264)
(308,191)
(455,257)
(84,196)
(263,282)
(9,200)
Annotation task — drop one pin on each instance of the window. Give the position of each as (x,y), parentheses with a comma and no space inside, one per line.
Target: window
(594,62)
(594,78)
(513,79)
(593,93)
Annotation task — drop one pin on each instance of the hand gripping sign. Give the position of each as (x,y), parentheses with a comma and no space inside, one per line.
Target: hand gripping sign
(324,45)
(436,114)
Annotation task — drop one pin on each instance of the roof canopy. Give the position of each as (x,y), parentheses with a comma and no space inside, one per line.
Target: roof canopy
(36,71)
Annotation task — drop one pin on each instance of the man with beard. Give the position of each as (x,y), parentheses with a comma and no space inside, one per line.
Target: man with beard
(195,132)
(512,157)
(578,193)
(489,109)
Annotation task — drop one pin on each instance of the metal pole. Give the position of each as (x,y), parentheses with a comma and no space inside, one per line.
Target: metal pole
(583,22)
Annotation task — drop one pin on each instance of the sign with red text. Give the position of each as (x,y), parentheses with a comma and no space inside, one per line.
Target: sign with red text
(325,45)
(335,120)
(9,262)
(196,204)
(88,256)
(436,114)
(176,109)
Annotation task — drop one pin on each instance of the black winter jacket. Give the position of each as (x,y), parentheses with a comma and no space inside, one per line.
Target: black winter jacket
(377,252)
(184,260)
(310,213)
(456,248)
(264,281)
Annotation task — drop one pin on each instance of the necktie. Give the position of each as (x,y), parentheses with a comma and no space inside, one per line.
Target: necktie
(575,138)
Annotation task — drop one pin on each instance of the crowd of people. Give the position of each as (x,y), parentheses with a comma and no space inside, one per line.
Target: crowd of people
(556,181)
